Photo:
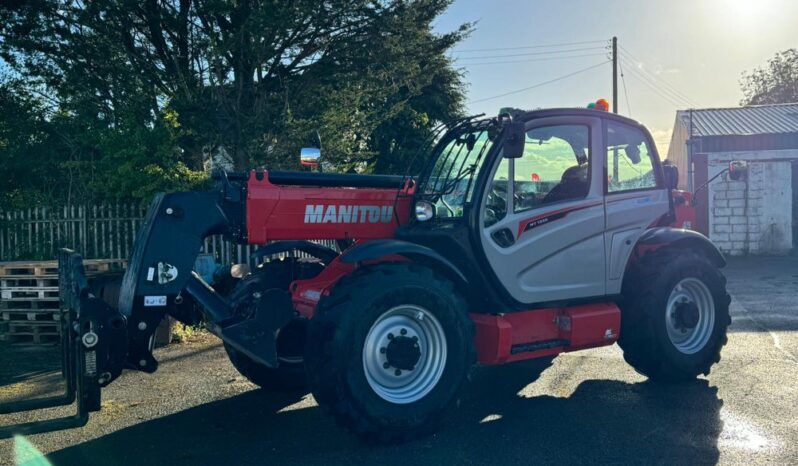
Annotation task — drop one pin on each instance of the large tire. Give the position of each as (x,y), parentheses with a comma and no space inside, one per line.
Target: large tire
(675,312)
(367,326)
(289,376)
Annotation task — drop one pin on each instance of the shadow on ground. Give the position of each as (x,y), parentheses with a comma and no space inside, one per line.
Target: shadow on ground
(602,421)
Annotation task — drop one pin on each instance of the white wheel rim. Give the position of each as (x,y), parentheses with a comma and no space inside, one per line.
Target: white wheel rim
(690,315)
(410,331)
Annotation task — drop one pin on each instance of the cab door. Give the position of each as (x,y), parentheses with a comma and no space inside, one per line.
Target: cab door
(636,196)
(543,214)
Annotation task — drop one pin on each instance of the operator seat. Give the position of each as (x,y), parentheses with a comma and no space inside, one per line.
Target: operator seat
(573,185)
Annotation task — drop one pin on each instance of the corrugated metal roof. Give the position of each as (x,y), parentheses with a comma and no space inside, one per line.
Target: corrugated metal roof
(756,119)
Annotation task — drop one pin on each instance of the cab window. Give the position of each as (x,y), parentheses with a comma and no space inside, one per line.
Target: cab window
(630,159)
(555,167)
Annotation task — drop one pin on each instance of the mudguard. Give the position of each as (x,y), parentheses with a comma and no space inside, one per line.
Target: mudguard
(655,238)
(373,250)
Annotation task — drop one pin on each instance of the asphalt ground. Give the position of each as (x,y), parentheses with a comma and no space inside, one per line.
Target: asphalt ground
(581,408)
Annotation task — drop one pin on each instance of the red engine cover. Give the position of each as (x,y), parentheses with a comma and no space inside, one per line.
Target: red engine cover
(277,212)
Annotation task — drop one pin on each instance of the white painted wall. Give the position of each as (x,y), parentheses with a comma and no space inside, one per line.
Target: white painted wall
(752,216)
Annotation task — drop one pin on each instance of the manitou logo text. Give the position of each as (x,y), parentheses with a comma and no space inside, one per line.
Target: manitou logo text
(318,213)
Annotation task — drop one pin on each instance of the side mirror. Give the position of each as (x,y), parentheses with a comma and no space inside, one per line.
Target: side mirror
(515,141)
(671,172)
(309,156)
(738,169)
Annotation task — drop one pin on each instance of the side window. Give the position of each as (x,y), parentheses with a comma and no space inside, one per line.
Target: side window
(630,163)
(555,167)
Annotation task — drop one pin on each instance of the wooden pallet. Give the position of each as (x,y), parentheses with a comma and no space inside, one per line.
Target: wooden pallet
(25,293)
(30,314)
(51,304)
(32,332)
(29,282)
(49,269)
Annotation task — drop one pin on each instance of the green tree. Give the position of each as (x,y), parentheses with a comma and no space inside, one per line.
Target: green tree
(776,83)
(145,90)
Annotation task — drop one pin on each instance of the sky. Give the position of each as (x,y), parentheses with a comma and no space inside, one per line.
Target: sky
(674,54)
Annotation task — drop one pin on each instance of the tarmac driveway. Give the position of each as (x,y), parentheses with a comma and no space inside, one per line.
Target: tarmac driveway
(581,408)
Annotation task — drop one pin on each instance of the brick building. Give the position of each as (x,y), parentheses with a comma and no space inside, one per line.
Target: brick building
(759,214)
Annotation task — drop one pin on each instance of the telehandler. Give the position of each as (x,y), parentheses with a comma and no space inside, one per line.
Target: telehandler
(526,235)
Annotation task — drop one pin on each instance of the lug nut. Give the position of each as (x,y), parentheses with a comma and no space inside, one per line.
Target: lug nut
(397,372)
(385,365)
(383,350)
(415,338)
(390,336)
(403,331)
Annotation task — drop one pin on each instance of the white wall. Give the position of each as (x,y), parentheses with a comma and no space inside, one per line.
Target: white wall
(752,216)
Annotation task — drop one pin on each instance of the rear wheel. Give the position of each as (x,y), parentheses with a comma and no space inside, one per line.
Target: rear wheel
(389,351)
(675,315)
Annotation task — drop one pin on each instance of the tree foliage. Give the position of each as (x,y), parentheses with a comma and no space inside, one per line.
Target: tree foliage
(133,96)
(776,83)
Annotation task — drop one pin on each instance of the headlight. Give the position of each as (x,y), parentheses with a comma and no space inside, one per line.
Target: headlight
(424,211)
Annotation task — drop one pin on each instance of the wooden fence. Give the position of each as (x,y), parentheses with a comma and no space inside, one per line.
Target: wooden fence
(105,231)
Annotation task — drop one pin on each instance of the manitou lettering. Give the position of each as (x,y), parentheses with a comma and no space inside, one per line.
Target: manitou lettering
(317,213)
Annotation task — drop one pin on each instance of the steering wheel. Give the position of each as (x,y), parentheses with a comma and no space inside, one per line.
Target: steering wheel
(495,205)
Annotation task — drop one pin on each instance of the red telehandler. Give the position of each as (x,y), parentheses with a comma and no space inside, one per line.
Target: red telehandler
(525,236)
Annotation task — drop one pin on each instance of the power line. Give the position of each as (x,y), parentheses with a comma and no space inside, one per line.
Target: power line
(625,93)
(533,59)
(528,47)
(654,88)
(540,84)
(652,81)
(551,52)
(665,84)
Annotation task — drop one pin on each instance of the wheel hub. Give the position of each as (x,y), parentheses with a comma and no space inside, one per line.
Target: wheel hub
(686,315)
(403,353)
(690,315)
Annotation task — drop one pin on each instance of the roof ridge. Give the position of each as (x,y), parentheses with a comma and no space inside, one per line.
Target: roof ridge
(742,107)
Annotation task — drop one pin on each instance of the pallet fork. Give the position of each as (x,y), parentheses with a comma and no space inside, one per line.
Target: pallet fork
(93,335)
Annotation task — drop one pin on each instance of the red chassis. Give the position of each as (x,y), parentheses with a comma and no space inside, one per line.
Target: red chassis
(278,212)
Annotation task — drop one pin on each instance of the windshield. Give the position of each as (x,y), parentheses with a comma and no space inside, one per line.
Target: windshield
(450,182)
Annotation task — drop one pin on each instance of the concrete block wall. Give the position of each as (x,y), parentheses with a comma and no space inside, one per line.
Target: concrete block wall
(753,216)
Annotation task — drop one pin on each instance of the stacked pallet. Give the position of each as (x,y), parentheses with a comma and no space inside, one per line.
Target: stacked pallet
(29,306)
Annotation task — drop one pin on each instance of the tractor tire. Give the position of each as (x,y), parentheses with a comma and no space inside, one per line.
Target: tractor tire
(674,315)
(289,376)
(389,351)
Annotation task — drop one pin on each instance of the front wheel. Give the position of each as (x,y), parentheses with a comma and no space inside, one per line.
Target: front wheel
(675,316)
(389,351)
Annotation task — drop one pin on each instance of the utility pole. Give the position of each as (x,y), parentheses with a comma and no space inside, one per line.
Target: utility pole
(614,74)
(615,158)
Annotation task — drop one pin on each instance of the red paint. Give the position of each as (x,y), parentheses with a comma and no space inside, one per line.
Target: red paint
(684,210)
(306,294)
(585,326)
(277,212)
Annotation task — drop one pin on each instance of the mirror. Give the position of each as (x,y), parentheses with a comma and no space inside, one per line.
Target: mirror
(515,141)
(671,172)
(309,156)
(738,169)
